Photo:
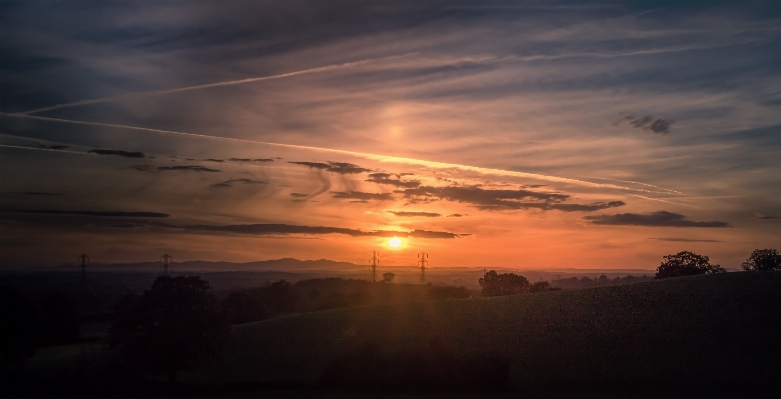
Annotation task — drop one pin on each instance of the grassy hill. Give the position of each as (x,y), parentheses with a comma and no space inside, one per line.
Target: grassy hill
(702,331)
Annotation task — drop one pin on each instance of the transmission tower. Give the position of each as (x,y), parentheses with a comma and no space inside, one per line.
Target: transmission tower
(83,260)
(375,260)
(166,267)
(422,262)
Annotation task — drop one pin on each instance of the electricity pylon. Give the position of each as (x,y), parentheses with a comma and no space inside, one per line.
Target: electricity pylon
(422,261)
(83,260)
(166,267)
(375,260)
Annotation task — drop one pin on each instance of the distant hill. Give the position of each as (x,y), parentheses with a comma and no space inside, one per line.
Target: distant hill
(703,332)
(284,264)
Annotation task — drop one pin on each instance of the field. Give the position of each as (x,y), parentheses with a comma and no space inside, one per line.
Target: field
(706,334)
(693,332)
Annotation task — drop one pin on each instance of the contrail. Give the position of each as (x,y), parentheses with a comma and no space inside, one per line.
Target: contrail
(216,84)
(635,182)
(45,149)
(374,157)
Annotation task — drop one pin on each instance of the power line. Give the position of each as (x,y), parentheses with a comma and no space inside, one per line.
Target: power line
(166,266)
(375,261)
(422,261)
(83,260)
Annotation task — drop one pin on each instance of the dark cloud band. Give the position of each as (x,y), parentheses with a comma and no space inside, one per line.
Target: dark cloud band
(653,219)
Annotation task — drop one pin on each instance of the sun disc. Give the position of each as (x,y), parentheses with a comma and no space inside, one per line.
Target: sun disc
(394,242)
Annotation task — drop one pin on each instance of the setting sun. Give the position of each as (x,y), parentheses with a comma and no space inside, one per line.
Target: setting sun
(394,242)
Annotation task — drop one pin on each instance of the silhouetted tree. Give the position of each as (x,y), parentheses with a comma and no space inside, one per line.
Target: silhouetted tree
(763,259)
(173,326)
(60,320)
(388,278)
(241,307)
(540,286)
(686,263)
(279,297)
(495,284)
(18,328)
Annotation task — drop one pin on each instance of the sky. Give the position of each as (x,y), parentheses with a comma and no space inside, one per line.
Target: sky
(530,135)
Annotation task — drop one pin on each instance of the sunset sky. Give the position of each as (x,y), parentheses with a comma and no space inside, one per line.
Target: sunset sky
(531,135)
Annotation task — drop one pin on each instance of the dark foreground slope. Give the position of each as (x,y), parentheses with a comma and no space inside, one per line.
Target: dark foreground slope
(709,332)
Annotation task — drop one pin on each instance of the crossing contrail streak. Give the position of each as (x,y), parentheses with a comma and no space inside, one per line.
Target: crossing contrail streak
(216,84)
(374,157)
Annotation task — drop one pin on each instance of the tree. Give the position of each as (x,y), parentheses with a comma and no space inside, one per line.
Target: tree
(173,326)
(495,284)
(540,286)
(763,259)
(388,278)
(686,264)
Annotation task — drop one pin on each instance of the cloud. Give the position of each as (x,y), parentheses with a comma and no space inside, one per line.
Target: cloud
(251,160)
(502,200)
(192,168)
(658,126)
(284,229)
(765,217)
(208,85)
(35,193)
(231,182)
(584,207)
(54,147)
(298,195)
(415,214)
(682,240)
(653,219)
(455,215)
(110,214)
(361,196)
(375,157)
(343,168)
(215,160)
(119,153)
(142,168)
(386,178)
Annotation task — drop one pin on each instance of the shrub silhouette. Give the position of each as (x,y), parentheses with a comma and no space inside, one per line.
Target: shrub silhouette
(18,328)
(171,327)
(763,259)
(60,320)
(686,263)
(495,284)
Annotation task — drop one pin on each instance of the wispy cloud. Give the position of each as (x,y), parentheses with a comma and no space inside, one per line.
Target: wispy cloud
(111,214)
(375,157)
(361,196)
(268,229)
(653,219)
(232,182)
(191,168)
(416,214)
(342,168)
(393,180)
(130,96)
(683,240)
(119,153)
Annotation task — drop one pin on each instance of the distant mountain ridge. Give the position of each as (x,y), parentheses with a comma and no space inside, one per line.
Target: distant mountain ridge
(284,264)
